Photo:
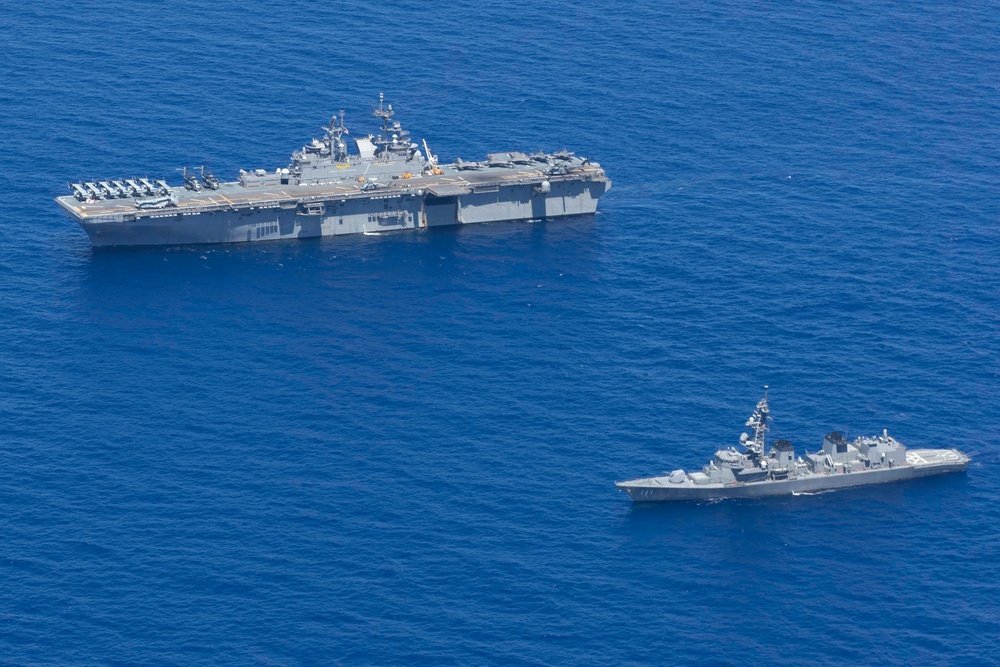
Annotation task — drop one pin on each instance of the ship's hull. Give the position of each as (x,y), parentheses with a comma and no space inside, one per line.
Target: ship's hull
(378,212)
(652,490)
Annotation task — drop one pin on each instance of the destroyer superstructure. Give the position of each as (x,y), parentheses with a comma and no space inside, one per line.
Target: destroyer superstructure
(390,182)
(754,473)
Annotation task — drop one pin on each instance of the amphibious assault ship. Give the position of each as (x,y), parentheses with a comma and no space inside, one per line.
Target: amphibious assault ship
(752,473)
(386,184)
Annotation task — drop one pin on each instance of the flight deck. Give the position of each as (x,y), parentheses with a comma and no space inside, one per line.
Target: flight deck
(387,184)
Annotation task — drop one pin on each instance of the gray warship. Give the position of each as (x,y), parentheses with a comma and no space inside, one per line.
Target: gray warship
(752,473)
(387,184)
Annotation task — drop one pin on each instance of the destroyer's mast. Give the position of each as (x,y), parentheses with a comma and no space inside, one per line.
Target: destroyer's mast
(758,422)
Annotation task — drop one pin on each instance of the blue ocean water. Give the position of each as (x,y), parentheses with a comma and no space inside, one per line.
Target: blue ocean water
(400,449)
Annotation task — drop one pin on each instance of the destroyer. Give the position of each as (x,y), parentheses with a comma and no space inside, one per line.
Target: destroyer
(753,473)
(386,184)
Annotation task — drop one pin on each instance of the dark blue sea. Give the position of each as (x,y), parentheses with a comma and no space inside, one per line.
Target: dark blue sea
(401,449)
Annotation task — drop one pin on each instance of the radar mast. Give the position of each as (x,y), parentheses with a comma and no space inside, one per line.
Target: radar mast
(394,142)
(334,137)
(758,422)
(385,114)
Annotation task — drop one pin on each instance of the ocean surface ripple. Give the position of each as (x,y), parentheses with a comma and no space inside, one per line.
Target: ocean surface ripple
(400,449)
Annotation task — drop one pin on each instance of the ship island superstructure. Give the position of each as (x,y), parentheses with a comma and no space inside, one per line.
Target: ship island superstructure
(388,183)
(753,472)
